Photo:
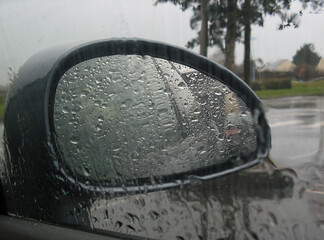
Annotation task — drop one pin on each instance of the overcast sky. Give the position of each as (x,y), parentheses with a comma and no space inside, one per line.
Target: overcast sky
(28,26)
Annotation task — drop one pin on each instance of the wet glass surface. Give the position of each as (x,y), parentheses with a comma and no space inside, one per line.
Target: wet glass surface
(260,203)
(133,117)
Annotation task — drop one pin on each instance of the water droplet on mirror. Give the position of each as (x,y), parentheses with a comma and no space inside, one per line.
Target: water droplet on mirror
(320,225)
(106,217)
(100,119)
(154,215)
(97,102)
(158,230)
(86,171)
(181,85)
(130,229)
(118,224)
(65,110)
(74,140)
(273,220)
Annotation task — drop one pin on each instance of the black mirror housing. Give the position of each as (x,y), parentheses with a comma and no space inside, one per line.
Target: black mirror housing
(34,161)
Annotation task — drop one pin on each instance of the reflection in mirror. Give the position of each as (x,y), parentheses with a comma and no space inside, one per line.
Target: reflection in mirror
(139,116)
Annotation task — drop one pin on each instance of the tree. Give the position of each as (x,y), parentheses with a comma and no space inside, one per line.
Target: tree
(225,20)
(199,8)
(213,17)
(306,55)
(204,28)
(253,12)
(231,33)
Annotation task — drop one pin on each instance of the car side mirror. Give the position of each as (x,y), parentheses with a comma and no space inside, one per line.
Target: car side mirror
(128,115)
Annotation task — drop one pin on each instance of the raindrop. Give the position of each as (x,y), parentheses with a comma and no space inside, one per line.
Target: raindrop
(65,110)
(97,102)
(74,140)
(154,215)
(164,212)
(158,229)
(111,95)
(118,224)
(141,201)
(86,171)
(106,217)
(320,225)
(130,229)
(181,85)
(100,119)
(273,219)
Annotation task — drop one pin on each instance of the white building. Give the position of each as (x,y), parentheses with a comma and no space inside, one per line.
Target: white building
(279,66)
(320,66)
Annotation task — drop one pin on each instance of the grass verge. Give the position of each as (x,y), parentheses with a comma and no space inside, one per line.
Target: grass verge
(2,102)
(298,89)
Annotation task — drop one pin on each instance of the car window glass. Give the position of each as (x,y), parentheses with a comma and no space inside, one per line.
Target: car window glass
(281,198)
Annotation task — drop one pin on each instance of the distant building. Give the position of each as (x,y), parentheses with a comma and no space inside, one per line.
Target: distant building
(282,66)
(279,69)
(320,66)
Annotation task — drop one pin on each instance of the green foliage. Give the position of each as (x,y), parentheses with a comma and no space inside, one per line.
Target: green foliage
(277,84)
(217,15)
(256,86)
(274,83)
(289,19)
(228,19)
(2,102)
(305,72)
(298,89)
(306,55)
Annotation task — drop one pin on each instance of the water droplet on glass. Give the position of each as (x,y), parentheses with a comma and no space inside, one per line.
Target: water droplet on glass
(181,85)
(320,225)
(118,224)
(106,217)
(86,171)
(154,215)
(100,119)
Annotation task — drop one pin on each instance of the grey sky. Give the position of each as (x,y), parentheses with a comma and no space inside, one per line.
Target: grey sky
(27,27)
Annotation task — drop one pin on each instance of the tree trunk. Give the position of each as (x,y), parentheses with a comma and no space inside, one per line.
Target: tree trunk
(247,41)
(203,31)
(230,34)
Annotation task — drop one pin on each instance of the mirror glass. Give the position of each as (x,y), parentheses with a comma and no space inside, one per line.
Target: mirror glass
(136,116)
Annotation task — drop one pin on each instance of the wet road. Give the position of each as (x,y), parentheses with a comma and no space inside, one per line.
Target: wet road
(297,129)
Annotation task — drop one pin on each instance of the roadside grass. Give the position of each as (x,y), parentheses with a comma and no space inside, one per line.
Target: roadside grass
(2,102)
(298,89)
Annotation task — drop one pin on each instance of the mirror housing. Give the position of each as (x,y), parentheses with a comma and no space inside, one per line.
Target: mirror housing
(33,157)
